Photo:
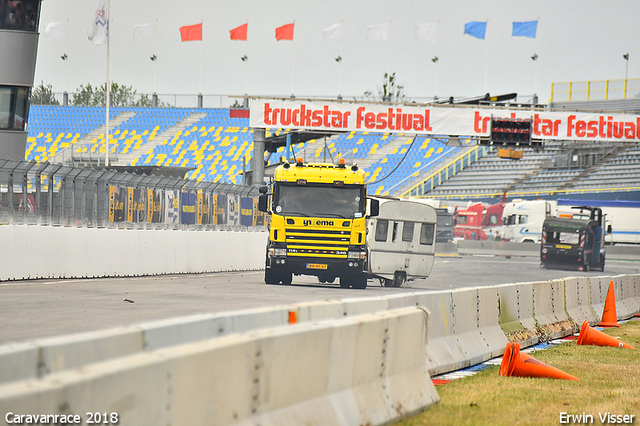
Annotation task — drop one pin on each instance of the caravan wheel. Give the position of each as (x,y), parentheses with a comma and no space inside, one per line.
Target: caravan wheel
(398,278)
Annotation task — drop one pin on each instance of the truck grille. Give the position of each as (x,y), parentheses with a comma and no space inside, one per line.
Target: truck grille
(317,243)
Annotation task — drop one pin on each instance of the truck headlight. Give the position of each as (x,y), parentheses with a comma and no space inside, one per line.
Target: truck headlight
(277,252)
(355,255)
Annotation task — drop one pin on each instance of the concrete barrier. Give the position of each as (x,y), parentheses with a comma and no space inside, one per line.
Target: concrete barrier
(516,314)
(123,252)
(367,369)
(498,248)
(549,309)
(627,303)
(578,300)
(598,290)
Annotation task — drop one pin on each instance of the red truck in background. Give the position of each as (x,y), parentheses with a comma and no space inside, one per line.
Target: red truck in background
(477,218)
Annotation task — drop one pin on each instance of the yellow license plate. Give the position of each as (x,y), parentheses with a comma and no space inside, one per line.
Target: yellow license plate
(563,246)
(316,266)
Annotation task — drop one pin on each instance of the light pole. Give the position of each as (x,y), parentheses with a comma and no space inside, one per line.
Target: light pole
(339,61)
(154,98)
(626,72)
(65,95)
(534,58)
(245,101)
(435,60)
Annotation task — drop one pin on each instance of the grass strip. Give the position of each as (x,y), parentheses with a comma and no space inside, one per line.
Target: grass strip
(609,383)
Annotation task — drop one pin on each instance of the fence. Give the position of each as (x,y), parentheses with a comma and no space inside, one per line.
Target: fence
(595,90)
(52,194)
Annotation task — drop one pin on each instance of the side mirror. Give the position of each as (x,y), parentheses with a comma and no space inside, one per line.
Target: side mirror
(263,201)
(263,189)
(374,207)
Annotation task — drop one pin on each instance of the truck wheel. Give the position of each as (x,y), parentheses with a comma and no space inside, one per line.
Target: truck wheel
(359,282)
(287,278)
(398,279)
(271,277)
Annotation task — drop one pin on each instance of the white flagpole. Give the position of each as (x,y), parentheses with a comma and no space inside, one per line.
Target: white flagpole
(486,61)
(293,62)
(200,84)
(106,160)
(155,62)
(340,56)
(389,53)
(246,65)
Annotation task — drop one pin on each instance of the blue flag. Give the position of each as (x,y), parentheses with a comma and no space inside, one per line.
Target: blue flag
(476,29)
(525,29)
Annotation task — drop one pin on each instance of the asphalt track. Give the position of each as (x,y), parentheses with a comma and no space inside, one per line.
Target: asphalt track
(45,308)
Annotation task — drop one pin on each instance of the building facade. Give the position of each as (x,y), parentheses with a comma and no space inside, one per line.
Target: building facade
(19,21)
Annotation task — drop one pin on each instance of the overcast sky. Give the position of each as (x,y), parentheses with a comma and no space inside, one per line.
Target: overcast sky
(576,40)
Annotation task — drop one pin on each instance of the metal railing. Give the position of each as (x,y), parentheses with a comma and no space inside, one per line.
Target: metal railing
(175,100)
(53,194)
(550,193)
(595,90)
(447,171)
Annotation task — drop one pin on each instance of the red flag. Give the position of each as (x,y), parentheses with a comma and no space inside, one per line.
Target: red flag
(191,32)
(239,33)
(284,32)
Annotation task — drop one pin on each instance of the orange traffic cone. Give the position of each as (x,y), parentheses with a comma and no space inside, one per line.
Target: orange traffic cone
(516,363)
(609,316)
(591,336)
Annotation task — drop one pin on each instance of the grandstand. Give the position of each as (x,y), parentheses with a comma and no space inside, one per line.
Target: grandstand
(217,148)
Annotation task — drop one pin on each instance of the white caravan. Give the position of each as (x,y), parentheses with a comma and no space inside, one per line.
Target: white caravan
(522,219)
(402,246)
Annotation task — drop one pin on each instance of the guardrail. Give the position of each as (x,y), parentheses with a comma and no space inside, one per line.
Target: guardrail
(355,361)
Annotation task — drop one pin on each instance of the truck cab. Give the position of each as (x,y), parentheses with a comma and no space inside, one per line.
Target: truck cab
(318,223)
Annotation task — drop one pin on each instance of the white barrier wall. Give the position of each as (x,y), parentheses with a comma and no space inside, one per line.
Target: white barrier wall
(29,252)
(366,369)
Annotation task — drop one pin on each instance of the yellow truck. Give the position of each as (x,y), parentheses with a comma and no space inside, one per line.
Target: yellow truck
(318,223)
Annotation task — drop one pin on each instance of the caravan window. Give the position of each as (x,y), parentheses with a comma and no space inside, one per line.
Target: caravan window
(394,233)
(407,231)
(426,234)
(381,230)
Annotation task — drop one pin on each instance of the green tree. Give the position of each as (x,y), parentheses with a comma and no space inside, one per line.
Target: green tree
(121,96)
(391,91)
(43,95)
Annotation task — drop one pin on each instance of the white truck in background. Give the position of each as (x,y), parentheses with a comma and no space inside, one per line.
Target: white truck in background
(522,220)
(622,218)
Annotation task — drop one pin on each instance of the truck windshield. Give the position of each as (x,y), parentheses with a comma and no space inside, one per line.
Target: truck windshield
(563,237)
(320,201)
(445,220)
